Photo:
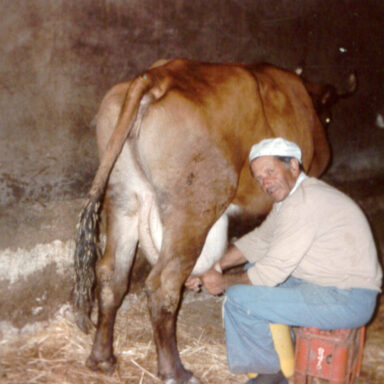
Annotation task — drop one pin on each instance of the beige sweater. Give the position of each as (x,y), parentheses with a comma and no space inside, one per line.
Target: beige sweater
(317,234)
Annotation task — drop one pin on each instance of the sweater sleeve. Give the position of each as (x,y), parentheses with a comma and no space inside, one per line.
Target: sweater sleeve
(293,235)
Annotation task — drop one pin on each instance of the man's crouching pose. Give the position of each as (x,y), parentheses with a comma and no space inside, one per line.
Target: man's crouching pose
(311,263)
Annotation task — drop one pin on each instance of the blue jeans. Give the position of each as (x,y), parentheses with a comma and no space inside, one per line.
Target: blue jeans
(248,310)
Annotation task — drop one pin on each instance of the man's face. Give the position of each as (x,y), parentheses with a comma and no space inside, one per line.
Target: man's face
(273,176)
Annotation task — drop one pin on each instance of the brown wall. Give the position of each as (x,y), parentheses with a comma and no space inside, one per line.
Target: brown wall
(59,57)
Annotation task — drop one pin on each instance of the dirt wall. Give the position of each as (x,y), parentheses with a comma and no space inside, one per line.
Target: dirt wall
(59,57)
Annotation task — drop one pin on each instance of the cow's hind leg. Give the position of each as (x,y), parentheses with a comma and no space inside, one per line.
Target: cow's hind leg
(164,286)
(112,283)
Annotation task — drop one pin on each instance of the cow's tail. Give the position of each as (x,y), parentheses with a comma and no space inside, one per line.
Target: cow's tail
(139,96)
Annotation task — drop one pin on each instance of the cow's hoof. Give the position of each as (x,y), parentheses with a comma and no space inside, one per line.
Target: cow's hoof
(106,366)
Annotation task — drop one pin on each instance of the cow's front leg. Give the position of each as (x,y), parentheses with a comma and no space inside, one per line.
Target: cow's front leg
(164,285)
(112,283)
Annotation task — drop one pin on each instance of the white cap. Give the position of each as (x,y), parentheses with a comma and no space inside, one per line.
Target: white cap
(275,147)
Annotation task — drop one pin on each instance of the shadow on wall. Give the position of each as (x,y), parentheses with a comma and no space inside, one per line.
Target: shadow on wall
(59,58)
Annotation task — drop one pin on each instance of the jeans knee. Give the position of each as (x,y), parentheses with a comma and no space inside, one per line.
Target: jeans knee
(233,293)
(238,296)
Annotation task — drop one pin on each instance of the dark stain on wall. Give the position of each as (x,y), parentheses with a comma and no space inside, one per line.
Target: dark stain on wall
(58,58)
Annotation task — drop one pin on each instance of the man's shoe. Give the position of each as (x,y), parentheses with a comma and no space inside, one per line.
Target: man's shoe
(269,378)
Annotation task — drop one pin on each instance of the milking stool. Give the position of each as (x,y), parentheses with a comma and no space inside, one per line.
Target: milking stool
(329,355)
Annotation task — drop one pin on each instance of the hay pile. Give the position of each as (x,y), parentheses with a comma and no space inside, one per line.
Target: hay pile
(56,354)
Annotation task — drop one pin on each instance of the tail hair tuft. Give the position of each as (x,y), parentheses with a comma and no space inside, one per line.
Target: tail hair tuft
(86,254)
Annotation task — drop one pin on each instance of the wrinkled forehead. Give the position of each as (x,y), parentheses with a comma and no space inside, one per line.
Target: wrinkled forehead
(265,163)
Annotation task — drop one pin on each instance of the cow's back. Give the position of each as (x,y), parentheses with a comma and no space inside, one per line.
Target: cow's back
(200,131)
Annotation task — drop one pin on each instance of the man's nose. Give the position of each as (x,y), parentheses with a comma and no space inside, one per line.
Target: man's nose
(266,182)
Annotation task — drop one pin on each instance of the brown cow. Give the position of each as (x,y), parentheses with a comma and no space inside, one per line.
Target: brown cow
(174,145)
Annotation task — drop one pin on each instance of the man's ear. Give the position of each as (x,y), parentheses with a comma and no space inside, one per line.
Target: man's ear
(294,166)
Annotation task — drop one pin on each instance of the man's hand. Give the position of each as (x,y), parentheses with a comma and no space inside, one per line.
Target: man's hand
(216,282)
(193,283)
(213,282)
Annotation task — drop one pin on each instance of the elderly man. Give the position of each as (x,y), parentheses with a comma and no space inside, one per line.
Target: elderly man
(311,263)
